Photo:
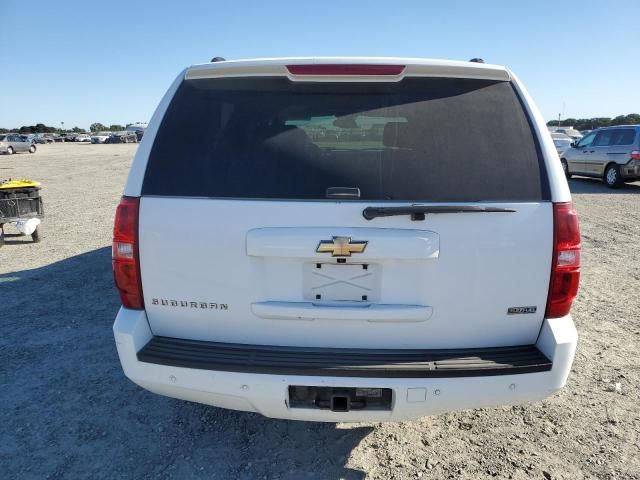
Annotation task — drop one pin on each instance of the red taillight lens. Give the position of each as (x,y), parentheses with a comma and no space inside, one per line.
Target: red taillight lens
(635,155)
(345,69)
(565,265)
(126,266)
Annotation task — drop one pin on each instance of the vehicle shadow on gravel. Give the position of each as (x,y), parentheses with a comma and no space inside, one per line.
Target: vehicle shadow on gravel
(594,185)
(69,411)
(16,238)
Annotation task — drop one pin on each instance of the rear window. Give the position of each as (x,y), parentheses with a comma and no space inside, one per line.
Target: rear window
(421,139)
(623,137)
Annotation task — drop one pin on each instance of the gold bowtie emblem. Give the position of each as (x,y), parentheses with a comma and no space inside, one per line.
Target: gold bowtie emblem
(341,246)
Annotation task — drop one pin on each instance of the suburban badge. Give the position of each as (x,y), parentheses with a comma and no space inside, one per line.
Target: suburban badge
(167,302)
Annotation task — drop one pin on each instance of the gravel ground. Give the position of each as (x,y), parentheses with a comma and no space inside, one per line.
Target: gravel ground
(69,412)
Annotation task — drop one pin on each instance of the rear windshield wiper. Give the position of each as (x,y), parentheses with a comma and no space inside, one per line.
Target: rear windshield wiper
(418,212)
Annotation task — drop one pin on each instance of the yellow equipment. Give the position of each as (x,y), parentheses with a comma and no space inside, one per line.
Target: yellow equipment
(23,183)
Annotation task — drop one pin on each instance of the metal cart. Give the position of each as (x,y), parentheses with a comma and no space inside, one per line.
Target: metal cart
(20,201)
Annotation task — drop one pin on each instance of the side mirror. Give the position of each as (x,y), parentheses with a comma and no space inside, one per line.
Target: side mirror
(574,144)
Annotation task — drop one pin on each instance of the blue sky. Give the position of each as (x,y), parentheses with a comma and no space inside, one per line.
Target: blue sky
(82,62)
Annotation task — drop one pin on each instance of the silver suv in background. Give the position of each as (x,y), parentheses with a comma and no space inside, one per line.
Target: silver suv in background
(14,143)
(611,153)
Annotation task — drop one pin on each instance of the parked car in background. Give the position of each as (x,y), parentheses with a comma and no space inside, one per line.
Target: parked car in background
(562,144)
(42,138)
(100,137)
(561,141)
(138,129)
(134,127)
(609,153)
(306,279)
(570,132)
(11,143)
(83,137)
(122,137)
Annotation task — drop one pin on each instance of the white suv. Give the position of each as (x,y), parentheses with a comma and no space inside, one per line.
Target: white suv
(347,239)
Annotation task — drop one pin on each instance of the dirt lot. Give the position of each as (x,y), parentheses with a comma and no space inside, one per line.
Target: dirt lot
(69,412)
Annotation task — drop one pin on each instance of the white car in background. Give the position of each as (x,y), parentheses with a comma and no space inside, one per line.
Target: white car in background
(562,142)
(569,132)
(82,137)
(100,137)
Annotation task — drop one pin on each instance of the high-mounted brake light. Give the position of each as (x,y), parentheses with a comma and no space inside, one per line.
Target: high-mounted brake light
(125,260)
(565,264)
(345,69)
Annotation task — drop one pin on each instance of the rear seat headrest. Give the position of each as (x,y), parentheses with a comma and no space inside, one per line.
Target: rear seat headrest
(396,134)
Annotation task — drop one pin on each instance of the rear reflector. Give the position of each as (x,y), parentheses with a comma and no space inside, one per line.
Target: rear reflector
(565,264)
(125,261)
(345,69)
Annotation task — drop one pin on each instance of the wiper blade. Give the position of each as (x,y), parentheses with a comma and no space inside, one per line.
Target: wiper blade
(418,212)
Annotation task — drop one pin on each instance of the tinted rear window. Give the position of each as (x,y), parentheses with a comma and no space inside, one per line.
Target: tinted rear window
(623,137)
(421,139)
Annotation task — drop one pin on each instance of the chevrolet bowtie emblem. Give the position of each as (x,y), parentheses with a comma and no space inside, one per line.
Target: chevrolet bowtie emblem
(341,246)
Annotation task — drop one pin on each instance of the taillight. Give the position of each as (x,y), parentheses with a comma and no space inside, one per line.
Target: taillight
(125,260)
(345,69)
(635,155)
(565,265)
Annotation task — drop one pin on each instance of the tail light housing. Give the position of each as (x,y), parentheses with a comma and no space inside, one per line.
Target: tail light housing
(125,258)
(565,265)
(635,155)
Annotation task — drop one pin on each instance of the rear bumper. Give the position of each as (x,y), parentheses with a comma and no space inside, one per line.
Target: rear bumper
(630,171)
(426,390)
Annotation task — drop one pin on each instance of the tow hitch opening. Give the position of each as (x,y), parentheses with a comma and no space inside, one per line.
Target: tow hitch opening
(339,399)
(340,403)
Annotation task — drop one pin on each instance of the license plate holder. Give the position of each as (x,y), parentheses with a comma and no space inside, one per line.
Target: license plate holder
(341,282)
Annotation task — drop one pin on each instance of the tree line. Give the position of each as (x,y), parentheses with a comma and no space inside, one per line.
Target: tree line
(42,128)
(597,122)
(98,127)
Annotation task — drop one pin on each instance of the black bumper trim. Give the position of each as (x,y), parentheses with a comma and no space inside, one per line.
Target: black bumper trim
(344,362)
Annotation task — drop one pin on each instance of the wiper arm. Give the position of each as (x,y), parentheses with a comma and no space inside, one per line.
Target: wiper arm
(418,212)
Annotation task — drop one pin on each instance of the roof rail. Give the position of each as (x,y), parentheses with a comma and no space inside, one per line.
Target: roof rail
(477,60)
(218,59)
